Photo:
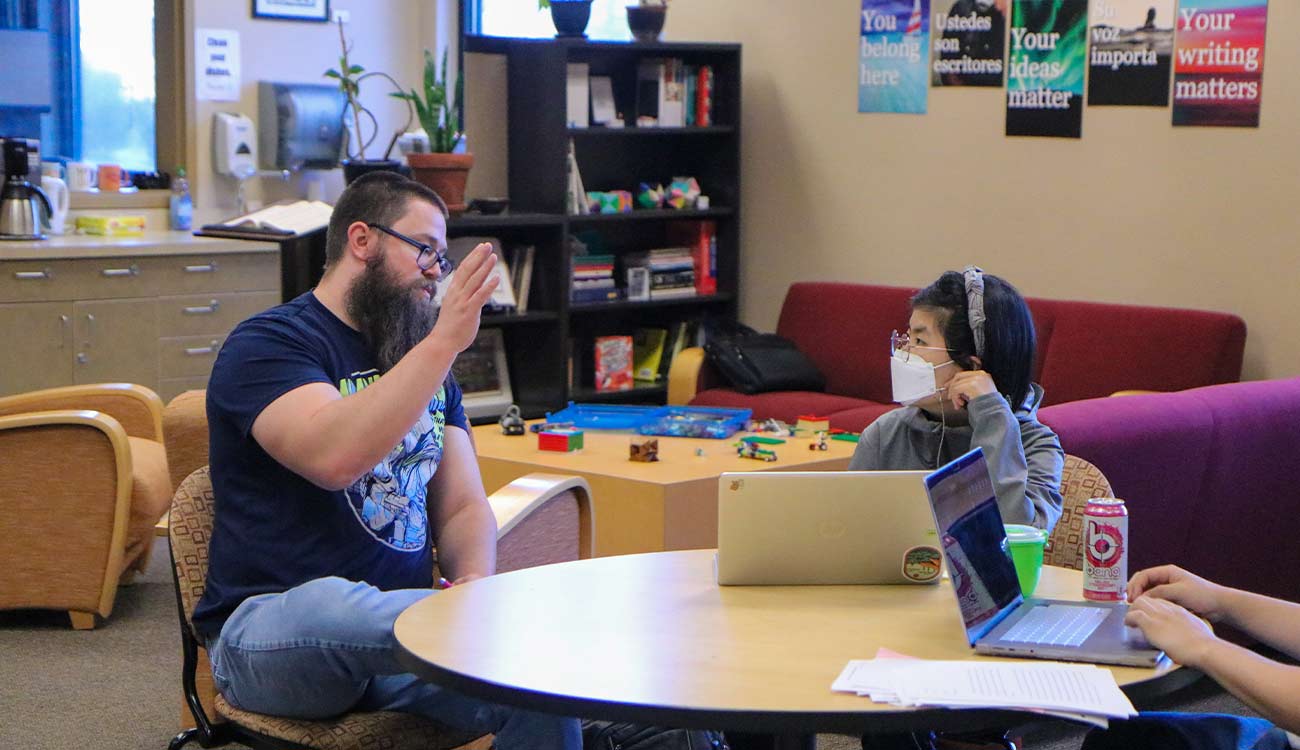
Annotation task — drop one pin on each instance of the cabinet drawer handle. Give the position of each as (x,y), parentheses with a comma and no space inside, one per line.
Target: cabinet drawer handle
(33,275)
(207,309)
(134,270)
(202,268)
(196,351)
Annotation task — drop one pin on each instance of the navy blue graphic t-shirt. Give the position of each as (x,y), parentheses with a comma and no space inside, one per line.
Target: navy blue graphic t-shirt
(273,529)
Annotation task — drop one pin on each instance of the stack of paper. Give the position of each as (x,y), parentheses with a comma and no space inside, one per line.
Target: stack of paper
(1082,692)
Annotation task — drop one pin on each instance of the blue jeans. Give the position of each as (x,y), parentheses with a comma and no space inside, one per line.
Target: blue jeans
(326,648)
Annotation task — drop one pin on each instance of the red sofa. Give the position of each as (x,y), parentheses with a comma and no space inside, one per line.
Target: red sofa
(1085,350)
(1209,476)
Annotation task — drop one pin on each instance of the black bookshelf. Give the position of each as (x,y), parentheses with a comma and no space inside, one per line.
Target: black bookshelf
(549,347)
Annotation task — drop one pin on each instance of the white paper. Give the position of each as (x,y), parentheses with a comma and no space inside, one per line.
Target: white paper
(575,95)
(602,100)
(216,65)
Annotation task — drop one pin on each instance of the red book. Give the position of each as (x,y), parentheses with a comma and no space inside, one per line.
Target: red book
(701,238)
(614,363)
(704,96)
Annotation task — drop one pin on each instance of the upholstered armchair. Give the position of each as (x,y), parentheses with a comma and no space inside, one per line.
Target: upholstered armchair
(83,480)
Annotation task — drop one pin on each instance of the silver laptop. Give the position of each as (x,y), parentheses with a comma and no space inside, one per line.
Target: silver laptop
(998,619)
(825,527)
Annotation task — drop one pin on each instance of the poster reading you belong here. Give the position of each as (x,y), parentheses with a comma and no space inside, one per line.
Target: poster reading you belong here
(1219,62)
(893,56)
(1045,68)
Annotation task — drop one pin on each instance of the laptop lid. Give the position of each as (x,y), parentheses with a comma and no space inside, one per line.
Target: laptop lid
(974,542)
(825,527)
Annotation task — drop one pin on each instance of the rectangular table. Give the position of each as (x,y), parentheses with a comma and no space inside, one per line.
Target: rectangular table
(670,504)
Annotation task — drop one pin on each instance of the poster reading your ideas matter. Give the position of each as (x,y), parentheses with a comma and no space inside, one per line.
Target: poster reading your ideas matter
(1132,45)
(1045,68)
(1219,62)
(893,56)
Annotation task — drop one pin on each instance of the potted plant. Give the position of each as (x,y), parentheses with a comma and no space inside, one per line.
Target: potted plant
(350,75)
(443,171)
(569,16)
(646,19)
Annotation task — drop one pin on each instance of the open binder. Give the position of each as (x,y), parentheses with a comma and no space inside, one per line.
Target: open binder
(275,222)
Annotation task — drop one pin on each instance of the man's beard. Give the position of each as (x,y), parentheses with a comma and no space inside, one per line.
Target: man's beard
(391,318)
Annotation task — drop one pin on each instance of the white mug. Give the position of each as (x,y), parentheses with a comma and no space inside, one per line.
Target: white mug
(60,200)
(82,175)
(52,169)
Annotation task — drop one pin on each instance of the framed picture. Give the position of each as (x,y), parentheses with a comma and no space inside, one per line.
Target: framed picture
(483,375)
(293,10)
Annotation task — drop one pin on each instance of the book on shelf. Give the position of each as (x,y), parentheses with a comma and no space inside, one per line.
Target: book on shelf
(703,93)
(613,363)
(280,220)
(576,94)
(521,269)
(603,111)
(701,238)
(683,336)
(648,353)
(503,298)
(575,195)
(661,93)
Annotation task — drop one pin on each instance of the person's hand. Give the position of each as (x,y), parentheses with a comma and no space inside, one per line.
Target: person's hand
(1181,634)
(1172,583)
(968,384)
(462,304)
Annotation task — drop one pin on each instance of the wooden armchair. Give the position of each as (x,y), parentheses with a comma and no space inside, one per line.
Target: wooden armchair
(541,519)
(83,480)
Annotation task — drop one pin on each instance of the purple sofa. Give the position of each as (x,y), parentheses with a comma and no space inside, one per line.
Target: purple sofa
(1211,476)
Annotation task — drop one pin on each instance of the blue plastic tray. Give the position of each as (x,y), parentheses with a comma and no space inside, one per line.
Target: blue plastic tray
(696,422)
(605,416)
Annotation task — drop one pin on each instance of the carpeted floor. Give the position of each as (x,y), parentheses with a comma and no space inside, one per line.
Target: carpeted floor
(118,686)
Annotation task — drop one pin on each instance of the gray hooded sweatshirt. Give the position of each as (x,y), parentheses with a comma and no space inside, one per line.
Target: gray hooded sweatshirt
(1024,455)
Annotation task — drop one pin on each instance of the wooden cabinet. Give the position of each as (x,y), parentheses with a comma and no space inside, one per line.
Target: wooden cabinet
(551,357)
(148,313)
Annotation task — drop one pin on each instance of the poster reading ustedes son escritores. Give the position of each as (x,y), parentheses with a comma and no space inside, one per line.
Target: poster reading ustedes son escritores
(1219,62)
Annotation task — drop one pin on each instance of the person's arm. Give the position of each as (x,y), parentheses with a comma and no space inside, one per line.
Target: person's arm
(463,525)
(1026,468)
(331,440)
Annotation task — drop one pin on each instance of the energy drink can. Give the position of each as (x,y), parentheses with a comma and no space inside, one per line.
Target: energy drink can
(1105,551)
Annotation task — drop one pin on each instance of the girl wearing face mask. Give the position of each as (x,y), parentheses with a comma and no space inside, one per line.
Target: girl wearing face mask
(962,371)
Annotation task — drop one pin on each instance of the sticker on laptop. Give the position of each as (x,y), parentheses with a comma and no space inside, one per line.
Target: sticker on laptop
(922,564)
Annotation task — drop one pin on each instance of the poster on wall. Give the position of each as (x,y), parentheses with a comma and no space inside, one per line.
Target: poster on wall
(894,36)
(1219,62)
(216,65)
(970,43)
(1045,68)
(1132,46)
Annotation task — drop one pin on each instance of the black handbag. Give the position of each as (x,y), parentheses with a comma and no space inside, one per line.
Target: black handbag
(609,735)
(759,362)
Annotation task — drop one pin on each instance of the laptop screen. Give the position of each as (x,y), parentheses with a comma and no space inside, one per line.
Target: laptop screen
(974,542)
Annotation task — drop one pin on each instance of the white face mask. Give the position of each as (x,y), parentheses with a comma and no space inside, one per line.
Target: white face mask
(913,378)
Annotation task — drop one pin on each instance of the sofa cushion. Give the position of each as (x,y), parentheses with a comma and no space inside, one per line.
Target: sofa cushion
(151,494)
(844,329)
(857,418)
(786,406)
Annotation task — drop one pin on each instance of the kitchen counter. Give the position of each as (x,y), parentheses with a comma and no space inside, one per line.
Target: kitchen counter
(150,243)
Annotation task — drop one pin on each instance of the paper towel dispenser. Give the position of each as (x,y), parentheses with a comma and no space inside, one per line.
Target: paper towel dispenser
(301,125)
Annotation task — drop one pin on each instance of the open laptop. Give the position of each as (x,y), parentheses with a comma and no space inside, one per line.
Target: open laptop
(825,527)
(998,619)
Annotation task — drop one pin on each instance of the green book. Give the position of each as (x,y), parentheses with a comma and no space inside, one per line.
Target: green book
(647,351)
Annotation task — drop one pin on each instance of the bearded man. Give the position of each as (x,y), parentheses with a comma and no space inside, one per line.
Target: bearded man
(338,451)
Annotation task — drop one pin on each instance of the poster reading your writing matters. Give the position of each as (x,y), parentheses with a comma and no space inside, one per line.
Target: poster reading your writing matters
(1219,62)
(893,54)
(970,42)
(1132,45)
(1045,67)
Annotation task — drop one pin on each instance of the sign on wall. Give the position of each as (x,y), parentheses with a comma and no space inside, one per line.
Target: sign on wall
(1047,50)
(1131,50)
(970,42)
(1219,62)
(894,39)
(216,65)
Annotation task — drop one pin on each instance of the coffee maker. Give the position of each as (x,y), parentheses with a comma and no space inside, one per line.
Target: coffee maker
(21,200)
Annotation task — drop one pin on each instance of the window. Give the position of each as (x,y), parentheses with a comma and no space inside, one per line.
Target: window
(521,18)
(103,80)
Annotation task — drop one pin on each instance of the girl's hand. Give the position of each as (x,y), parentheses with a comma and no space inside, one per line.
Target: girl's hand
(965,386)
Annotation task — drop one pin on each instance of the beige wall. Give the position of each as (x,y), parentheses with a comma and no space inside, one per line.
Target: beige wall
(1136,211)
(387,35)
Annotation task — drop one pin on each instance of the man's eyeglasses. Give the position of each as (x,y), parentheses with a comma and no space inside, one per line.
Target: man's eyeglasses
(900,344)
(428,254)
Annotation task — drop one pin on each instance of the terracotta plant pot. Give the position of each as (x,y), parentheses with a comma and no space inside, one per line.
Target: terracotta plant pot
(570,17)
(646,21)
(445,174)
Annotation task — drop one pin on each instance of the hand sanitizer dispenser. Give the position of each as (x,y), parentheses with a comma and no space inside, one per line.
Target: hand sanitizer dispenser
(234,145)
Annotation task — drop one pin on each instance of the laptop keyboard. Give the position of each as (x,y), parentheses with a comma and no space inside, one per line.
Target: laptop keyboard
(1056,625)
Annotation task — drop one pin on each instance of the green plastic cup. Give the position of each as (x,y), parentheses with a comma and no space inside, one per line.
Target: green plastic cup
(1027,543)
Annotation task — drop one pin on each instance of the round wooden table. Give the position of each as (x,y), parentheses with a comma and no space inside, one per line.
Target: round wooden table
(653,639)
